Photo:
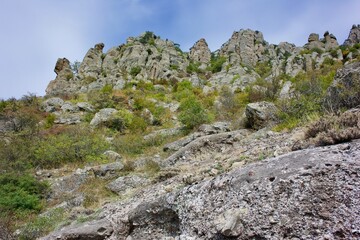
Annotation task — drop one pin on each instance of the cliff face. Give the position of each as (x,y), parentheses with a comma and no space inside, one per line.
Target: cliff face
(151,58)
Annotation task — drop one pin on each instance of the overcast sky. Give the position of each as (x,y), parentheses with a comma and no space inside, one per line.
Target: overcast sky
(34,33)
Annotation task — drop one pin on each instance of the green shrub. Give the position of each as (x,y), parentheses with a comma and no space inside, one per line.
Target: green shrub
(21,192)
(216,63)
(193,67)
(49,121)
(148,37)
(192,113)
(134,71)
(75,145)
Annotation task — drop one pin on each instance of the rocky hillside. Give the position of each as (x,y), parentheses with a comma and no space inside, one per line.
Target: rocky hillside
(145,141)
(245,57)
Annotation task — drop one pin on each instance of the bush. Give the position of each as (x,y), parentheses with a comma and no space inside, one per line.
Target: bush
(75,145)
(335,129)
(216,63)
(21,192)
(135,71)
(192,113)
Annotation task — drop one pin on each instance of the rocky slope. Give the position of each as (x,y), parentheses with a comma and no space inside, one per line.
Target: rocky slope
(308,194)
(222,180)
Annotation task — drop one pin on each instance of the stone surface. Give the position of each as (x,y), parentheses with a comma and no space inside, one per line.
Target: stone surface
(52,104)
(261,114)
(108,170)
(96,230)
(102,116)
(123,184)
(85,106)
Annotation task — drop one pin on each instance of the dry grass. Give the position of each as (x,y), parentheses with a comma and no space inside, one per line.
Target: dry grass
(335,129)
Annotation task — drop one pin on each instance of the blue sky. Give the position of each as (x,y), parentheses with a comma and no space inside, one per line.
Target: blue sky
(34,33)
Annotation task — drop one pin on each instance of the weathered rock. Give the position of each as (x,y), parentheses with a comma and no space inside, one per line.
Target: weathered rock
(200,52)
(123,184)
(345,89)
(285,91)
(313,37)
(244,46)
(102,116)
(85,106)
(96,230)
(69,107)
(91,64)
(261,114)
(108,170)
(354,36)
(215,128)
(52,104)
(64,82)
(330,41)
(68,118)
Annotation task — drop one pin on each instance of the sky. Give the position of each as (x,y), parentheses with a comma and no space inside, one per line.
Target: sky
(35,33)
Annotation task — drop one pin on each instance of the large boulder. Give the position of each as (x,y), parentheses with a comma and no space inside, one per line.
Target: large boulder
(52,104)
(103,116)
(261,114)
(345,89)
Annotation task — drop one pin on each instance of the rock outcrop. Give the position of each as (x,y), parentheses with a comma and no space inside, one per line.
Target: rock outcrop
(354,36)
(200,52)
(308,194)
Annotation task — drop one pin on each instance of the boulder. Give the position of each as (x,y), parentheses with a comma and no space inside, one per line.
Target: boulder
(52,104)
(127,183)
(102,116)
(85,106)
(69,107)
(313,37)
(261,114)
(68,118)
(107,170)
(96,230)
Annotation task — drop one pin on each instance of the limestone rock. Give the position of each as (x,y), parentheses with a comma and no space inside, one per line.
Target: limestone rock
(91,65)
(214,128)
(52,104)
(123,184)
(313,37)
(285,91)
(85,106)
(97,230)
(200,52)
(64,81)
(354,36)
(69,107)
(261,114)
(107,170)
(244,46)
(68,118)
(102,116)
(330,41)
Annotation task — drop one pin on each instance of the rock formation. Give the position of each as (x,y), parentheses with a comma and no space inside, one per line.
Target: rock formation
(354,36)
(200,52)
